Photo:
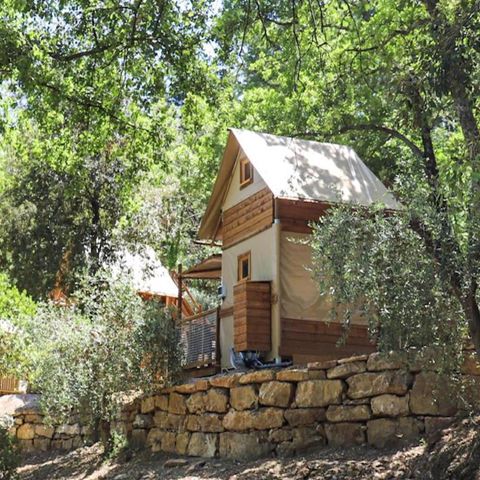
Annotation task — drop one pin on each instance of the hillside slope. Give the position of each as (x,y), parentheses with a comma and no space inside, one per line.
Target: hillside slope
(452,454)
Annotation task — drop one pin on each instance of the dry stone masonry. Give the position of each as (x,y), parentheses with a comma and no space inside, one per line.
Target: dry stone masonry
(376,399)
(33,434)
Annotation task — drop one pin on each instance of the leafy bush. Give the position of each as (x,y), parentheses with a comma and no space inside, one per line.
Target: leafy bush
(9,458)
(15,309)
(107,344)
(374,265)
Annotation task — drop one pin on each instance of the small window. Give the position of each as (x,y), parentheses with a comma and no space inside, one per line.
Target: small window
(246,173)
(244,267)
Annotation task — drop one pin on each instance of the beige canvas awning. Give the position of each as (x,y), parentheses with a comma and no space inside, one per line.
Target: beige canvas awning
(208,269)
(297,169)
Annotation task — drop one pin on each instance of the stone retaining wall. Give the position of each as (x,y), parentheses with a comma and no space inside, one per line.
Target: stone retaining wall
(27,425)
(374,399)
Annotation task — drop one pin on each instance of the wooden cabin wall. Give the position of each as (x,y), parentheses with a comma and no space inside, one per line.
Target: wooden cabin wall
(304,333)
(236,194)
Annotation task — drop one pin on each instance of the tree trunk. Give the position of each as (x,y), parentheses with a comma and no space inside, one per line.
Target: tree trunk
(472,313)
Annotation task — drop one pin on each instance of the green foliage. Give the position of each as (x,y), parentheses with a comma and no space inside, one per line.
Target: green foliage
(373,265)
(9,456)
(15,308)
(106,345)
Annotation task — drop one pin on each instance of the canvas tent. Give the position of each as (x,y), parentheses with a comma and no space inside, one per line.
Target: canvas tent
(267,191)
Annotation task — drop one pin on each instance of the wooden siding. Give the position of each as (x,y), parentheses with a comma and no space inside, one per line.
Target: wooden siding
(249,217)
(310,340)
(252,316)
(295,215)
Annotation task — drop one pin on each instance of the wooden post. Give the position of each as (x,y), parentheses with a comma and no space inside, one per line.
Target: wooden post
(218,349)
(180,292)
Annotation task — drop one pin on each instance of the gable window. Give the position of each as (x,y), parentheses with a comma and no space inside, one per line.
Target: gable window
(246,173)
(244,267)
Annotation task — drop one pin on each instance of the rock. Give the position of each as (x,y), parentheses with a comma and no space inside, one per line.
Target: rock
(141,421)
(26,432)
(33,418)
(345,434)
(244,397)
(147,405)
(169,440)
(305,438)
(196,403)
(75,429)
(174,422)
(242,446)
(316,375)
(371,384)
(356,358)
(276,394)
(318,393)
(385,432)
(19,404)
(470,365)
(225,381)
(304,416)
(44,431)
(204,423)
(379,361)
(177,404)
(390,406)
(432,394)
(42,444)
(154,439)
(348,413)
(138,438)
(262,419)
(325,365)
(161,402)
(160,419)
(181,445)
(259,376)
(198,386)
(292,375)
(345,370)
(175,463)
(434,424)
(280,435)
(216,400)
(26,446)
(202,445)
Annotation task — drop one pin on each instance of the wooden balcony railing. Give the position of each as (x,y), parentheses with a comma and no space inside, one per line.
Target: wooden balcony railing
(200,339)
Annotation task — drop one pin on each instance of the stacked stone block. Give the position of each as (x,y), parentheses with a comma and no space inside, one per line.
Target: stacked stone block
(370,399)
(376,399)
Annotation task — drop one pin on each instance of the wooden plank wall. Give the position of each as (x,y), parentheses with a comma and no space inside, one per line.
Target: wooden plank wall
(247,218)
(252,316)
(311,340)
(295,215)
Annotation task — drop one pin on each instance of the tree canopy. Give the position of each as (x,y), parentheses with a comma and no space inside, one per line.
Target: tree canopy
(114,114)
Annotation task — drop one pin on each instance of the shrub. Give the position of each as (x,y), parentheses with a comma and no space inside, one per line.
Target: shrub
(107,344)
(9,457)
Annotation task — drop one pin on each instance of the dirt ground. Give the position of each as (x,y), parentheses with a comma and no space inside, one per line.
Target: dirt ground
(454,454)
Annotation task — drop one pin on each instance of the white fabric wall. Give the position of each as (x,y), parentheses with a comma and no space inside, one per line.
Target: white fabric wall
(262,265)
(299,294)
(235,194)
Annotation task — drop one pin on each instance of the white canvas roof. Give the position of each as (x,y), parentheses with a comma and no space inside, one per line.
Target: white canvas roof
(298,169)
(146,272)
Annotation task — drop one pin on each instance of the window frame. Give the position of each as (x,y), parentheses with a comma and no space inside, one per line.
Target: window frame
(240,259)
(244,181)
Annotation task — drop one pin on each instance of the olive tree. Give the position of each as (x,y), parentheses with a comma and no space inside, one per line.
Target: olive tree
(371,263)
(105,344)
